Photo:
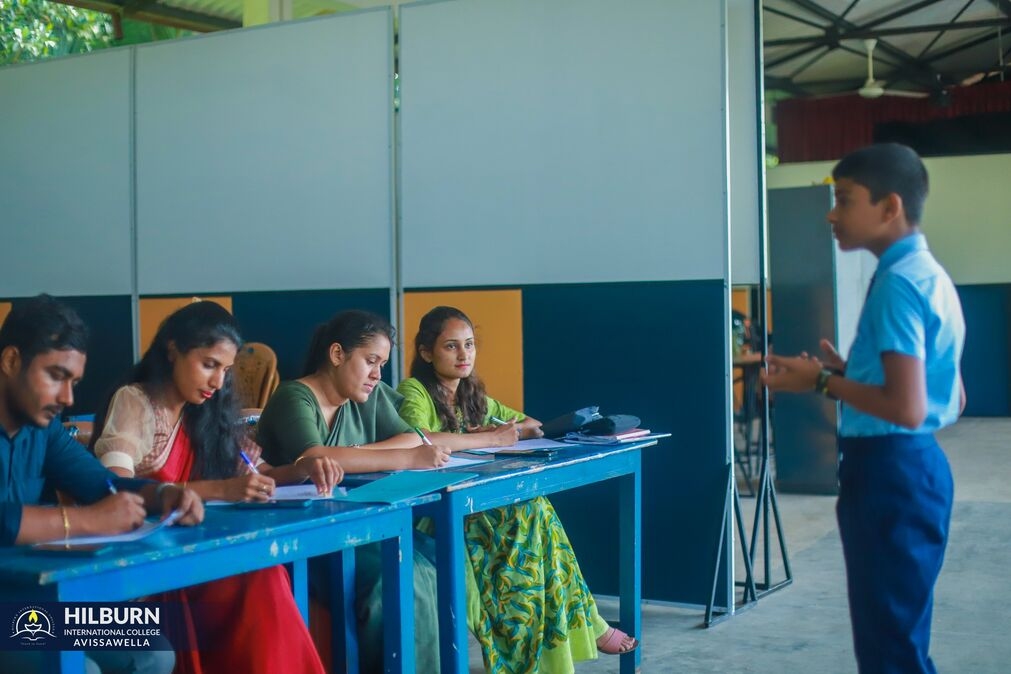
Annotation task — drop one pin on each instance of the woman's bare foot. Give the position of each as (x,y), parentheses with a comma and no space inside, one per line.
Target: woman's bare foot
(616,642)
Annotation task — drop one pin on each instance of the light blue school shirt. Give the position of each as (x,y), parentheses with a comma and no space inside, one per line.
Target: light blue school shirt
(912,309)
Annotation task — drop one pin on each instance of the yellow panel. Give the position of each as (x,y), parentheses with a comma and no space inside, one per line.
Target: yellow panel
(154,310)
(498,326)
(768,310)
(5,308)
(740,300)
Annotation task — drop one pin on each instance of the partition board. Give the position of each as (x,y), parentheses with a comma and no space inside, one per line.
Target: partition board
(746,160)
(567,141)
(572,358)
(65,176)
(264,158)
(813,283)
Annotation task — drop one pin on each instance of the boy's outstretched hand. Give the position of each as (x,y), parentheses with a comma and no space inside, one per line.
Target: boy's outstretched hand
(796,374)
(832,359)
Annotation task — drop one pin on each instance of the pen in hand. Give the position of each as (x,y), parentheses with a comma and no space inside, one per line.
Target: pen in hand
(249,462)
(424,438)
(112,487)
(500,422)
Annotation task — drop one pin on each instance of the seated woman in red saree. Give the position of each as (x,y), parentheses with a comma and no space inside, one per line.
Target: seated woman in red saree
(176,422)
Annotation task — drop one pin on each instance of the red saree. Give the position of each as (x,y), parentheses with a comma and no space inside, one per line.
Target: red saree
(247,623)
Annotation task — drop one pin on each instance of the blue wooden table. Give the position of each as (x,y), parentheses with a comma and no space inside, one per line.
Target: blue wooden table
(510,480)
(232,541)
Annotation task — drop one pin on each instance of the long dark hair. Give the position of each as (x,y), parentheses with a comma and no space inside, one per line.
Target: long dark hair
(471,399)
(211,426)
(350,329)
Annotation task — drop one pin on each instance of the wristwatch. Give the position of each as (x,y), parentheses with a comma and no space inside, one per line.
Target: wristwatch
(821,383)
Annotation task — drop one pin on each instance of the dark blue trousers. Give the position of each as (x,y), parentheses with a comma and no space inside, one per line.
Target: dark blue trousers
(895,494)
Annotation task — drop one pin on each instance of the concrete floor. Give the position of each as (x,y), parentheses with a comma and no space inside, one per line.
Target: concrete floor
(804,628)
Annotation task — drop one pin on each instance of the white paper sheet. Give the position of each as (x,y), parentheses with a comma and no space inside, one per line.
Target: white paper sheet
(291,492)
(143,530)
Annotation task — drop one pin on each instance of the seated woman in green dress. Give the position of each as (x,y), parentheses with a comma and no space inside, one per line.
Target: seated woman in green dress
(340,408)
(543,592)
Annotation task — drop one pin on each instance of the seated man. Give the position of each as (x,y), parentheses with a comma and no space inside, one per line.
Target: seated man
(42,356)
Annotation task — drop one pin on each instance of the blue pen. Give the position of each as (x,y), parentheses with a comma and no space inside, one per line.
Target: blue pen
(252,466)
(112,487)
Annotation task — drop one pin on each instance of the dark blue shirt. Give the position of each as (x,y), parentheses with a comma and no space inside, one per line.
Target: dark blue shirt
(35,457)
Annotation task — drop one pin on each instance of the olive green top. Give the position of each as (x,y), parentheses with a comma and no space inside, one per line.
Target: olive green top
(293,421)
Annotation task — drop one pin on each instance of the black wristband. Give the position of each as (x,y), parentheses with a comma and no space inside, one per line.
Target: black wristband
(821,383)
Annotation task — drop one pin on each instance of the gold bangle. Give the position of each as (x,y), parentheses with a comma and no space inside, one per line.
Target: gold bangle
(66,526)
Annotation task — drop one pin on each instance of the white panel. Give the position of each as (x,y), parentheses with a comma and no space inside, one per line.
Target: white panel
(744,145)
(853,273)
(65,176)
(562,141)
(263,158)
(966,219)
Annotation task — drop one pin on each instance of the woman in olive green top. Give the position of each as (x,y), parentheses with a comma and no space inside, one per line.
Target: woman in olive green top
(341,409)
(536,613)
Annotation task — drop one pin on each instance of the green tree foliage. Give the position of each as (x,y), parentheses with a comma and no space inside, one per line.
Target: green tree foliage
(35,29)
(136,32)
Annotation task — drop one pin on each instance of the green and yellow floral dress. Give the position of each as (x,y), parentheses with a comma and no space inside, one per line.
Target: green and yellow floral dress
(527,601)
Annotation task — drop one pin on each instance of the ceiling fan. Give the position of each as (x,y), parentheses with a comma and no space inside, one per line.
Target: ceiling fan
(875,89)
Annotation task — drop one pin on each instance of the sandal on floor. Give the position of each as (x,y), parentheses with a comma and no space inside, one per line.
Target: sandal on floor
(610,642)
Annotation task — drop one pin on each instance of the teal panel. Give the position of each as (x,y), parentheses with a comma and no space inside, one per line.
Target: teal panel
(655,350)
(285,320)
(985,362)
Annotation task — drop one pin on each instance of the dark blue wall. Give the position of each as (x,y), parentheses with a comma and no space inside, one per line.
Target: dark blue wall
(110,349)
(654,350)
(985,362)
(285,320)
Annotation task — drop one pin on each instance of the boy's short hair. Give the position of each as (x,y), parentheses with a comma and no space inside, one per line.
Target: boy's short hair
(886,168)
(41,324)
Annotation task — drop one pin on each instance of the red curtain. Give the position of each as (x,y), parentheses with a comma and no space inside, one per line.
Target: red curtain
(828,128)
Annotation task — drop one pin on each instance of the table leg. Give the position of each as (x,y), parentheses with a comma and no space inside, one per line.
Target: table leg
(71,662)
(343,624)
(630,561)
(449,515)
(398,600)
(299,570)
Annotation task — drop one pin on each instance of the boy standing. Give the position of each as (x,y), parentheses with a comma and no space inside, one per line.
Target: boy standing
(902,383)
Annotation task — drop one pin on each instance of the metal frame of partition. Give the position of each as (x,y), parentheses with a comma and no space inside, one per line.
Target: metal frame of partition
(767,505)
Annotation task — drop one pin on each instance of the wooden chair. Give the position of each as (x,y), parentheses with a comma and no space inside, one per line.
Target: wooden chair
(255,374)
